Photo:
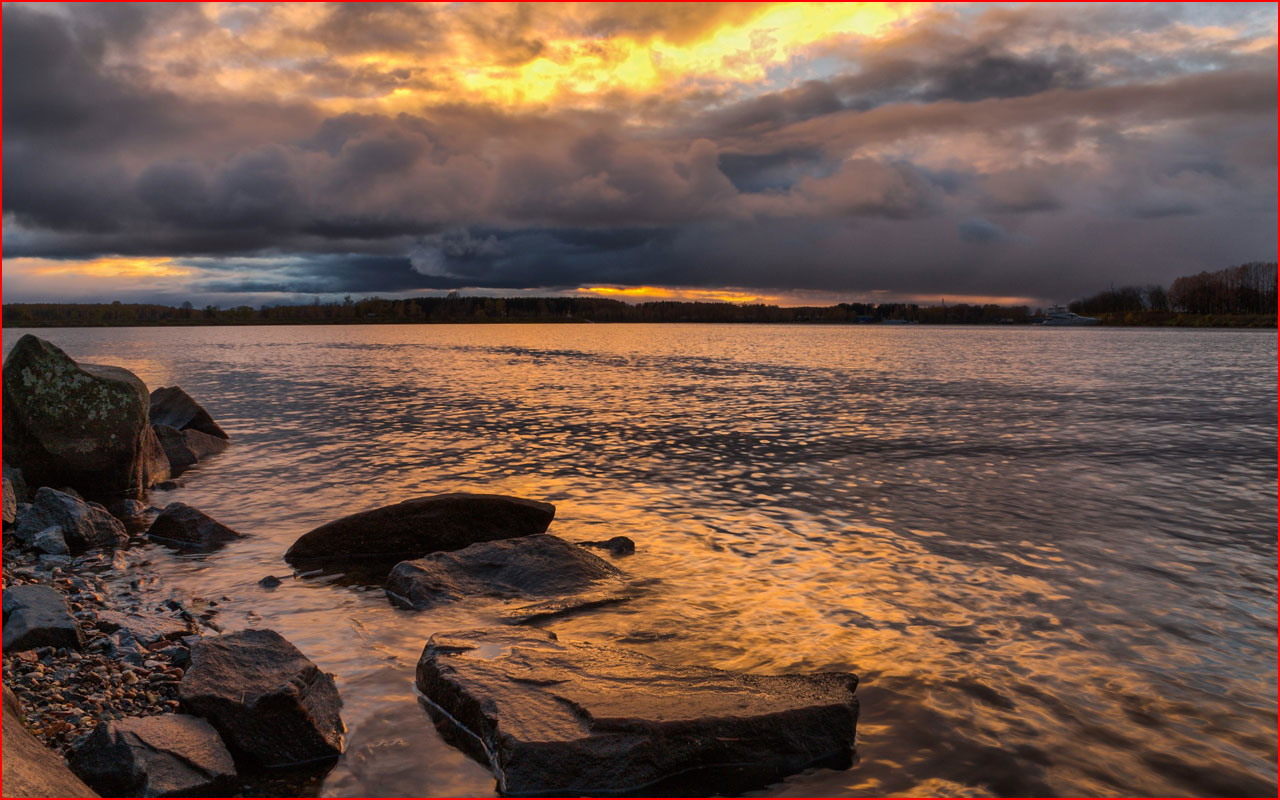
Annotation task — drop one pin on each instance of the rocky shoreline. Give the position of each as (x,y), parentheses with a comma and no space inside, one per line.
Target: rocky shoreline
(137,686)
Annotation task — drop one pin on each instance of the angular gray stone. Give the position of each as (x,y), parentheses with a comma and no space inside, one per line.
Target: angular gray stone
(567,718)
(189,528)
(413,528)
(83,524)
(173,407)
(37,616)
(173,755)
(539,575)
(74,424)
(51,541)
(267,699)
(29,768)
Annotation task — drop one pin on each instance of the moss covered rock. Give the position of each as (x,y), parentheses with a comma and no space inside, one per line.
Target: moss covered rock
(79,425)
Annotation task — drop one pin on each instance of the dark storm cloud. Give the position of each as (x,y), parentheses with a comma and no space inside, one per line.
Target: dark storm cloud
(947,159)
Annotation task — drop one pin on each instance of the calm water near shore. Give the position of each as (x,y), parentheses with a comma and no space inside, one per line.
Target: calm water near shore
(1049,554)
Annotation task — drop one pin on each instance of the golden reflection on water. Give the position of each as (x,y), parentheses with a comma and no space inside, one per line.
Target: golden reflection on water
(1048,582)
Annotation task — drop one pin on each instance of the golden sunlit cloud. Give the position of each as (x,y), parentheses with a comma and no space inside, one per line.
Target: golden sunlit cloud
(107,267)
(645,293)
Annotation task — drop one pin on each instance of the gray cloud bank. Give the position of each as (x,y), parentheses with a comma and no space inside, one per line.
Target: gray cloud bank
(979,155)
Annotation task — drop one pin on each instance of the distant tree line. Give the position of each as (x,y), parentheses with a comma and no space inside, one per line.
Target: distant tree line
(456,308)
(1249,289)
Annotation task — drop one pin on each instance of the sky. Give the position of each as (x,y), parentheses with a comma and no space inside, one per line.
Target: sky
(787,153)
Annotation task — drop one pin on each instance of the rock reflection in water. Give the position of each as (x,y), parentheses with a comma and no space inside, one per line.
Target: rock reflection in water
(1048,554)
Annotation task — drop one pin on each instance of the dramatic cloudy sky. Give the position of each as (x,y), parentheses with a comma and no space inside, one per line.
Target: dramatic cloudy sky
(249,153)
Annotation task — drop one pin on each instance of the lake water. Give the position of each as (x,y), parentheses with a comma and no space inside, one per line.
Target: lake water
(1049,554)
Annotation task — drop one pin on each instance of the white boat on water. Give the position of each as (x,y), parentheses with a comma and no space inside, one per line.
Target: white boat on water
(1059,315)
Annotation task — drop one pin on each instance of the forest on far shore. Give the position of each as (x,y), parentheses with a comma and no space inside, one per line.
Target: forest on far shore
(1243,296)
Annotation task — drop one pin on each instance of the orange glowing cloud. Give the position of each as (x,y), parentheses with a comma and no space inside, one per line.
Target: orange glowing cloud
(107,267)
(646,293)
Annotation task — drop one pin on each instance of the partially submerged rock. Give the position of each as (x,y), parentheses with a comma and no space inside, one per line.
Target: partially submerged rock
(83,524)
(189,528)
(37,616)
(541,574)
(618,545)
(79,424)
(29,768)
(173,407)
(267,699)
(51,541)
(184,448)
(413,528)
(172,755)
(565,718)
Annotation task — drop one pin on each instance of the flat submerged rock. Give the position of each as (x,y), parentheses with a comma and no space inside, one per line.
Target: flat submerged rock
(538,576)
(569,718)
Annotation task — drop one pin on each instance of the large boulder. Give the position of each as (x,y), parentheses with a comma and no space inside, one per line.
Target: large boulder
(538,575)
(170,405)
(189,528)
(413,528)
(82,425)
(83,524)
(172,755)
(565,719)
(37,616)
(267,699)
(29,768)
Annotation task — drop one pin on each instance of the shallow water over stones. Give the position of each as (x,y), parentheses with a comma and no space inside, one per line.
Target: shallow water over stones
(1048,554)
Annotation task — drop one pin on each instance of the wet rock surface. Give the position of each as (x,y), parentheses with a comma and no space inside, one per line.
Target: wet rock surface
(76,424)
(83,524)
(541,575)
(29,768)
(414,528)
(171,406)
(189,528)
(37,616)
(172,755)
(566,718)
(268,701)
(175,447)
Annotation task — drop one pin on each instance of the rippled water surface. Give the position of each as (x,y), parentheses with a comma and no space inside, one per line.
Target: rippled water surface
(1049,554)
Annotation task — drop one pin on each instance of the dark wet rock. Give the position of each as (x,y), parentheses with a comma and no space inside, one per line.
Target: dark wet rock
(618,545)
(29,768)
(269,582)
(13,476)
(413,528)
(173,407)
(172,755)
(267,699)
(175,447)
(170,485)
(543,575)
(190,528)
(37,616)
(78,424)
(155,462)
(568,718)
(178,654)
(83,524)
(147,628)
(50,541)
